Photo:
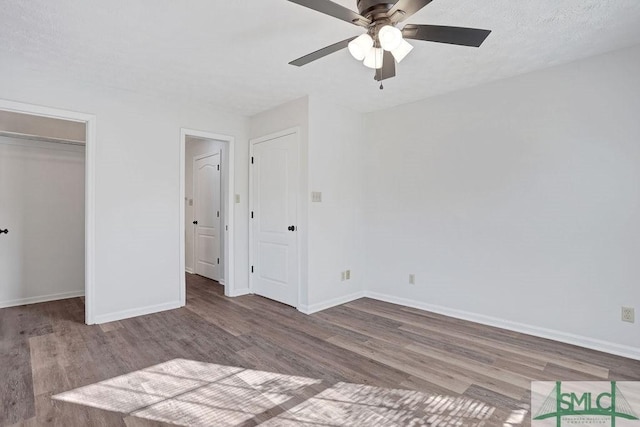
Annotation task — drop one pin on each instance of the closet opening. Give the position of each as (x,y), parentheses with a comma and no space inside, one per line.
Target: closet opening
(44,190)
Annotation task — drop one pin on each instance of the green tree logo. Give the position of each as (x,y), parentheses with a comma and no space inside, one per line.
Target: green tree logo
(610,404)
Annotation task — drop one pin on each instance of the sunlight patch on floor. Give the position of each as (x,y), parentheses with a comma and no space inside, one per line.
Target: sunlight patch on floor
(186,392)
(361,405)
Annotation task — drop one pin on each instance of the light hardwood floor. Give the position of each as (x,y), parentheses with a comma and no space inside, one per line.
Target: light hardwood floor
(362,349)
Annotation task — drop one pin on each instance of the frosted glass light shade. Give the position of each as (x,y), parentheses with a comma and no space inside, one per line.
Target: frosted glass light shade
(374,58)
(360,46)
(401,51)
(390,37)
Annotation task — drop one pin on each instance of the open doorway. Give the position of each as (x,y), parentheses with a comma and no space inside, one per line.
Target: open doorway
(207,200)
(204,198)
(46,188)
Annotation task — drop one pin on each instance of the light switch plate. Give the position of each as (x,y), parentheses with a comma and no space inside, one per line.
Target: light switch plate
(237,199)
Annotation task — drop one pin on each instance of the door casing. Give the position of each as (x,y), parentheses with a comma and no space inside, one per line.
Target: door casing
(228,162)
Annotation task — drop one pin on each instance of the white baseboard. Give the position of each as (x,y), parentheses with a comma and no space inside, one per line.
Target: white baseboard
(240,292)
(222,282)
(314,308)
(564,337)
(190,271)
(42,298)
(126,314)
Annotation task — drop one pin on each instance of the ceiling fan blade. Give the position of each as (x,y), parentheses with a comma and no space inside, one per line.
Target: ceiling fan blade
(333,9)
(451,35)
(403,9)
(388,69)
(321,53)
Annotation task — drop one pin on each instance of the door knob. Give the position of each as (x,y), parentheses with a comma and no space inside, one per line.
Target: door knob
(291,228)
(5,231)
(195,222)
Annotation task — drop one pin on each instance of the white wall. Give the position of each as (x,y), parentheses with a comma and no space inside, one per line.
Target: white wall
(336,225)
(516,200)
(197,147)
(42,206)
(137,185)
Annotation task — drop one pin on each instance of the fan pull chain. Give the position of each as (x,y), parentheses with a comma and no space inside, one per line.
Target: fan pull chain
(379,71)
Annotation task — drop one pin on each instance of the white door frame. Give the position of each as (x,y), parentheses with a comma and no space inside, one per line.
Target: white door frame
(90,185)
(222,218)
(229,240)
(291,131)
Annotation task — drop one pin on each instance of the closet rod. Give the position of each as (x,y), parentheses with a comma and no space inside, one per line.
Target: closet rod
(41,138)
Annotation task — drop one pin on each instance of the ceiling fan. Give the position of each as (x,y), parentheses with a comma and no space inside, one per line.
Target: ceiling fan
(384,44)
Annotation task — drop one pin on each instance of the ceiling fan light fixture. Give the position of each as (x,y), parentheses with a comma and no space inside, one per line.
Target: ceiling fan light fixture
(374,58)
(360,46)
(401,51)
(390,37)
(384,44)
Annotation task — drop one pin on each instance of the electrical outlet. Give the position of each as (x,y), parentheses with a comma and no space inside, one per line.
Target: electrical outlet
(343,274)
(628,314)
(316,196)
(412,279)
(348,274)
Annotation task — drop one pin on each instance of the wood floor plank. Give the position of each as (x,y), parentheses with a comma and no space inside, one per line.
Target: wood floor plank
(417,327)
(323,353)
(488,371)
(418,368)
(16,381)
(524,370)
(475,344)
(419,384)
(141,422)
(47,369)
(111,326)
(365,327)
(527,351)
(24,322)
(220,317)
(487,376)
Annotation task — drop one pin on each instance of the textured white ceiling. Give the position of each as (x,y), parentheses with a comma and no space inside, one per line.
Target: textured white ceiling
(234,54)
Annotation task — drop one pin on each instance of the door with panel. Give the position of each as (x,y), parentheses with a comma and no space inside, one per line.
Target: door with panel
(274,214)
(207,215)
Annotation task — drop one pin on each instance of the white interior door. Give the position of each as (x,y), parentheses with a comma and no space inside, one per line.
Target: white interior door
(207,215)
(274,243)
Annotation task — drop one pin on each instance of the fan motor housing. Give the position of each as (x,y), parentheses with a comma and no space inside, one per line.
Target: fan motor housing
(373,9)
